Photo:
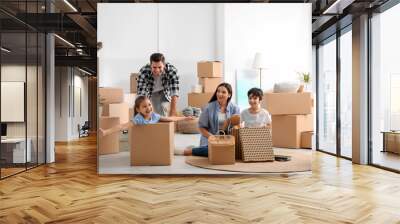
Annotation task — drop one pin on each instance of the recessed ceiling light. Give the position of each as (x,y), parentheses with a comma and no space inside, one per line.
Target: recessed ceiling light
(70,5)
(84,71)
(64,40)
(5,50)
(338,6)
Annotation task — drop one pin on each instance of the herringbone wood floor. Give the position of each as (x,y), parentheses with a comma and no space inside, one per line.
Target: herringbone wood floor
(70,191)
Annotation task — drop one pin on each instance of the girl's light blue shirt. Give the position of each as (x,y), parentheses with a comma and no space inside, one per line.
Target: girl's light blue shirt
(139,119)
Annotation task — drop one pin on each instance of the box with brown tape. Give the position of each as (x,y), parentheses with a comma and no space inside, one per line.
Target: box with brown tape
(221,149)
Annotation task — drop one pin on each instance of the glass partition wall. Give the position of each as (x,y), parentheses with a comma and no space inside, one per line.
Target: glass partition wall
(327,96)
(334,106)
(346,93)
(22,88)
(385,89)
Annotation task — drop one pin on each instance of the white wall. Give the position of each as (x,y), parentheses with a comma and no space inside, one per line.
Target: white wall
(81,84)
(66,121)
(187,33)
(161,28)
(282,32)
(187,41)
(129,33)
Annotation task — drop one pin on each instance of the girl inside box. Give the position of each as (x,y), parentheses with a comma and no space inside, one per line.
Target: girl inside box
(214,118)
(144,113)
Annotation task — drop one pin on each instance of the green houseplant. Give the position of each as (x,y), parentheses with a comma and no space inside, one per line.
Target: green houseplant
(305,78)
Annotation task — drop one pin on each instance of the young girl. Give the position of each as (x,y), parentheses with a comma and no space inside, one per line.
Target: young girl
(144,113)
(255,116)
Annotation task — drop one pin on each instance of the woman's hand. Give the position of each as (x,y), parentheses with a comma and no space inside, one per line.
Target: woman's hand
(205,132)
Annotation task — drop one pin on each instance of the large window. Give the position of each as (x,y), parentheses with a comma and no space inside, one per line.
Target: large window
(385,89)
(327,96)
(335,94)
(346,93)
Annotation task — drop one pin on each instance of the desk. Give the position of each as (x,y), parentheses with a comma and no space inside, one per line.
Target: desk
(391,141)
(15,148)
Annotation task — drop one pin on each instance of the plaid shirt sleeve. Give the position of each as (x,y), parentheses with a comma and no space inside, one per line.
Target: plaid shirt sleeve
(173,80)
(142,84)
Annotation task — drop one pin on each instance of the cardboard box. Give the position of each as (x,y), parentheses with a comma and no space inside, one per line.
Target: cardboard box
(109,95)
(287,129)
(238,148)
(306,139)
(210,84)
(288,103)
(209,69)
(392,142)
(188,126)
(120,110)
(134,77)
(131,113)
(221,151)
(108,144)
(199,99)
(147,152)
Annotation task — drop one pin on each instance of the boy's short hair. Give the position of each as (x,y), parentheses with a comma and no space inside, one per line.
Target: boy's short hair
(257,92)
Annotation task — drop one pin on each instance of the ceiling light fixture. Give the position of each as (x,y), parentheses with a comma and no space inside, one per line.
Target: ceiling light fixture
(64,40)
(70,5)
(86,72)
(5,50)
(338,6)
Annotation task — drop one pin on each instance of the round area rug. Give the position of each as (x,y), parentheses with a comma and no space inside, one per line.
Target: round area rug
(300,162)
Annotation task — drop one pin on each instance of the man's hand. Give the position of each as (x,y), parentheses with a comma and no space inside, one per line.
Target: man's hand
(172,110)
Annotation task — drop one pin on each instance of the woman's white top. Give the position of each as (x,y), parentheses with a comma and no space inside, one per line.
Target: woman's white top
(221,120)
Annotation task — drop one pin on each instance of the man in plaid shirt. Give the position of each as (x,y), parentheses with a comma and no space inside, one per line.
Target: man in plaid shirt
(160,82)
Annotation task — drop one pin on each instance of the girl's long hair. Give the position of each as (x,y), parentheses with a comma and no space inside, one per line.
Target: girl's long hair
(227,86)
(138,101)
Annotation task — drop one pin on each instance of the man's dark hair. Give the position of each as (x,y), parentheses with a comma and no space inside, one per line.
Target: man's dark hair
(157,57)
(255,92)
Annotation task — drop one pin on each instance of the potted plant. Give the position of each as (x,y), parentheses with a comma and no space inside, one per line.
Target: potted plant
(305,79)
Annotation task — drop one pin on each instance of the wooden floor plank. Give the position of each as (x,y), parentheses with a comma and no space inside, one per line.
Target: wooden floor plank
(70,191)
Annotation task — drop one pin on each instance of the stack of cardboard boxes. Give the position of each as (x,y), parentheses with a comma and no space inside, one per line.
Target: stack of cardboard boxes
(114,111)
(210,76)
(292,119)
(112,103)
(108,143)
